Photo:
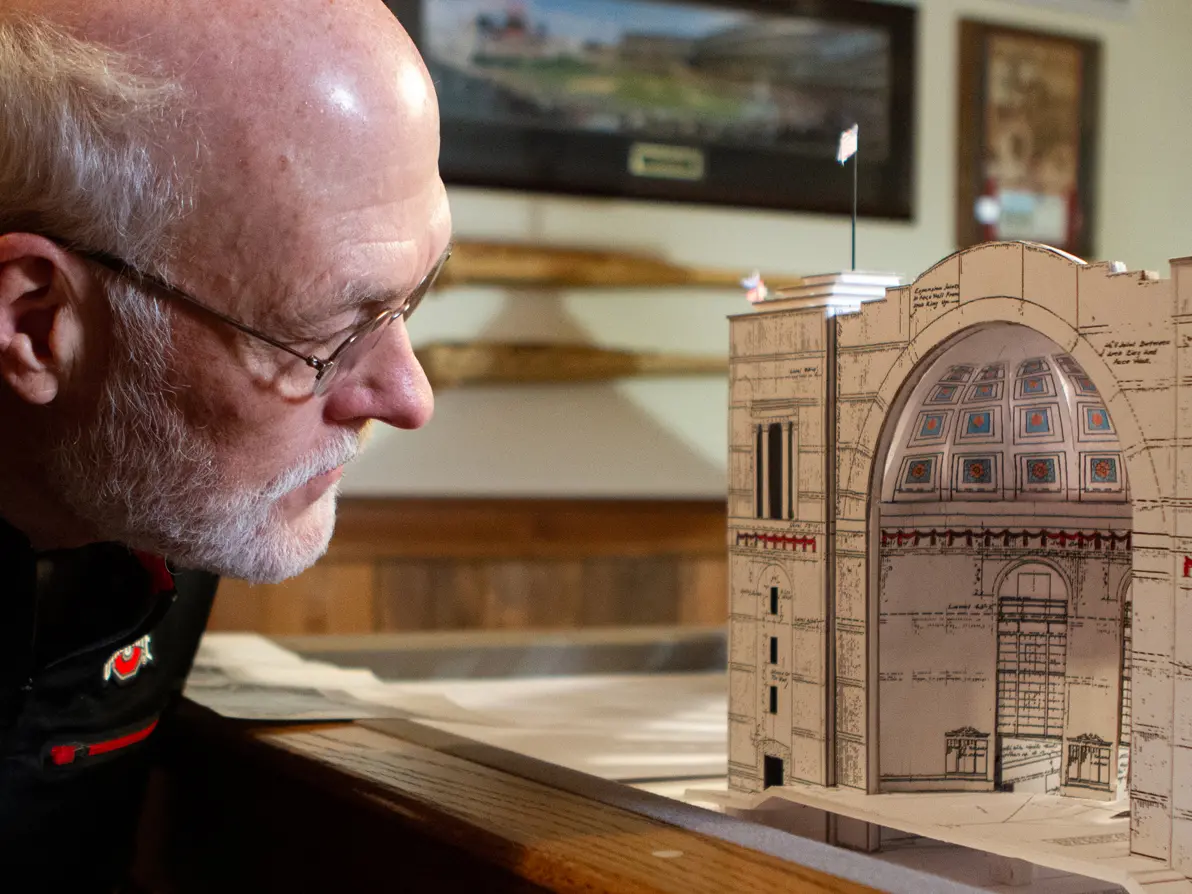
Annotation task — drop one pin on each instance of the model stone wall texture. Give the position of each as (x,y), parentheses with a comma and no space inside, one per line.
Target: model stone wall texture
(816,403)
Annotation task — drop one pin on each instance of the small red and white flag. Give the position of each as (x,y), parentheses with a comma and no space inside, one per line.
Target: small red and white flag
(755,287)
(848,144)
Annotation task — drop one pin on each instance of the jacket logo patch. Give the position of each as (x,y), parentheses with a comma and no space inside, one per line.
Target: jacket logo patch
(126,663)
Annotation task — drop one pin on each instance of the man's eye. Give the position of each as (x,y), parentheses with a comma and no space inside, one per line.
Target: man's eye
(332,333)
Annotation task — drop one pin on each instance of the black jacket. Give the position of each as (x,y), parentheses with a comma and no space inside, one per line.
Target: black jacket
(95,645)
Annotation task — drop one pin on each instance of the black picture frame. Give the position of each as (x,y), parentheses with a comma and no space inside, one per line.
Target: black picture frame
(529,155)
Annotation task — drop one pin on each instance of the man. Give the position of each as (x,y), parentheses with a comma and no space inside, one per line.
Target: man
(214,218)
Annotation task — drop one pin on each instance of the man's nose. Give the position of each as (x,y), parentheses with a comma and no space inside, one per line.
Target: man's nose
(387,384)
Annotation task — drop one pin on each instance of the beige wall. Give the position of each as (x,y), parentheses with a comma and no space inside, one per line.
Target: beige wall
(667,437)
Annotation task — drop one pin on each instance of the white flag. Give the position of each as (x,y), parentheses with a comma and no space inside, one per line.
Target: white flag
(848,144)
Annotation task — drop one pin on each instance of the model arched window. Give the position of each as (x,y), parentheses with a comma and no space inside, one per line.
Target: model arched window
(773,462)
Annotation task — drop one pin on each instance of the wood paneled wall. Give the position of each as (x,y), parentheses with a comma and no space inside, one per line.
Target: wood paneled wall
(406,565)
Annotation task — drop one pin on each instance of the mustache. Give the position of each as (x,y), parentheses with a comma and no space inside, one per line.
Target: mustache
(331,456)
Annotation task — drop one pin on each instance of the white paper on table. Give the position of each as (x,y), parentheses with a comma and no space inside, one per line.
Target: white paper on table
(222,693)
(247,677)
(222,649)
(616,726)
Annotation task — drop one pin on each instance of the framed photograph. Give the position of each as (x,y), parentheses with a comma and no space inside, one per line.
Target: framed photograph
(737,102)
(1027,137)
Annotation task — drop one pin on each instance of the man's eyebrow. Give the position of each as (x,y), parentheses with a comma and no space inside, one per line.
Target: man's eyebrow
(359,294)
(314,322)
(356,295)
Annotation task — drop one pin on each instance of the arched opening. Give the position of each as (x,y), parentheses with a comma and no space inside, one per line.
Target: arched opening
(1032,661)
(1002,538)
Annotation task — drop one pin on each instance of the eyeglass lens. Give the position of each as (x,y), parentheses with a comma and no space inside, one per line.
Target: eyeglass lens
(348,356)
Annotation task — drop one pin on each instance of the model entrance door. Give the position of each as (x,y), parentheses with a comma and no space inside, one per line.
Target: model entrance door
(1032,647)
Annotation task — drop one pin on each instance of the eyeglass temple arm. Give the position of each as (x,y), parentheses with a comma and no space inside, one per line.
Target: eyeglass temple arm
(123,269)
(309,359)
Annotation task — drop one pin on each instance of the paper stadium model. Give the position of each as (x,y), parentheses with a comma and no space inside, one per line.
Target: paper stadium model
(960,537)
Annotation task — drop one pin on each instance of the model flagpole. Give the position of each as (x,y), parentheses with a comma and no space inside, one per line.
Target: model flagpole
(854,258)
(846,150)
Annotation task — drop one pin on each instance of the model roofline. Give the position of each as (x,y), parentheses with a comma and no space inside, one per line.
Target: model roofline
(984,246)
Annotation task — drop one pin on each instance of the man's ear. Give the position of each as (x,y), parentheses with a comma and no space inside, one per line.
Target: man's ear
(41,335)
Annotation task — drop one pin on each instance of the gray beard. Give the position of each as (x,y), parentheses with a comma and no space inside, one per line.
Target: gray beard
(136,472)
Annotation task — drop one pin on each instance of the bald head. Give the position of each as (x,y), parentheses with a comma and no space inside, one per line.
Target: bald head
(298,113)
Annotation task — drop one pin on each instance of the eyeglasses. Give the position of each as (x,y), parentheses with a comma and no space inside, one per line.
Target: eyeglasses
(336,365)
